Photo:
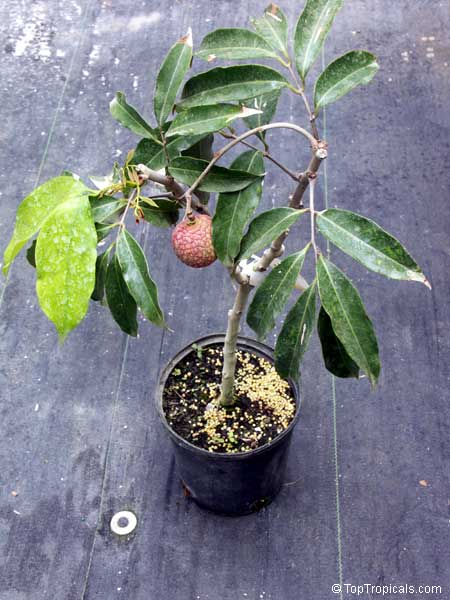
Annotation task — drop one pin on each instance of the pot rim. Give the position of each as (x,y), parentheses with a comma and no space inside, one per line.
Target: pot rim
(247,344)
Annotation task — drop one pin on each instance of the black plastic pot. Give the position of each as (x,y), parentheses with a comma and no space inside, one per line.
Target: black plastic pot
(230,484)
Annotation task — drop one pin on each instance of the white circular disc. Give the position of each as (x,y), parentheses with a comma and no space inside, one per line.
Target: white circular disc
(125,529)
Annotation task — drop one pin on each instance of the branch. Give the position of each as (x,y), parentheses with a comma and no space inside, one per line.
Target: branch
(230,345)
(318,156)
(218,155)
(244,286)
(276,249)
(312,185)
(171,185)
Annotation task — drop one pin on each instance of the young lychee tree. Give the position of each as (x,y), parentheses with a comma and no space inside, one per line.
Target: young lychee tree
(69,220)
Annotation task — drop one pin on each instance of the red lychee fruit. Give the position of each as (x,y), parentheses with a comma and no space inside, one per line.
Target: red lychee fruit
(192,241)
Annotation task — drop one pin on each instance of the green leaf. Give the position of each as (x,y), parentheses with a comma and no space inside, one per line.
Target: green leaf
(335,357)
(367,243)
(170,77)
(267,104)
(102,230)
(266,227)
(295,334)
(120,302)
(101,266)
(129,117)
(153,155)
(164,214)
(311,30)
(150,153)
(348,317)
(234,44)
(273,27)
(106,207)
(36,207)
(207,119)
(234,209)
(202,149)
(273,293)
(219,179)
(357,67)
(65,264)
(31,254)
(137,277)
(230,84)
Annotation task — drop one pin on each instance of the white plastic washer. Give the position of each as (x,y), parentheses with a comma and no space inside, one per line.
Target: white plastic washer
(119,529)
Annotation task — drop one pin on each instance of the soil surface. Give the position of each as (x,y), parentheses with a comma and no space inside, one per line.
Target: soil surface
(264,403)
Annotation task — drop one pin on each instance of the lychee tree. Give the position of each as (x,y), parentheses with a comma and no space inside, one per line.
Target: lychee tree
(69,224)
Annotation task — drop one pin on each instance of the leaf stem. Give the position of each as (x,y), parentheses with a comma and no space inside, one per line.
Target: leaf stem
(265,153)
(131,199)
(300,90)
(164,143)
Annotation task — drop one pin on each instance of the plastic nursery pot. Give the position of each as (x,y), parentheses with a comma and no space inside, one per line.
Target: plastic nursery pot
(230,484)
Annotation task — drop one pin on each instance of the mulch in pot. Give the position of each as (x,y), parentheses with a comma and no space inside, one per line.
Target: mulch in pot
(264,403)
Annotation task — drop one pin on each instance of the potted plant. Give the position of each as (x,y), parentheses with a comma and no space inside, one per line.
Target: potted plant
(228,403)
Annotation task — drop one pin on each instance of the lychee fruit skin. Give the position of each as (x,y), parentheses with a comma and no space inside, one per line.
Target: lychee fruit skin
(192,242)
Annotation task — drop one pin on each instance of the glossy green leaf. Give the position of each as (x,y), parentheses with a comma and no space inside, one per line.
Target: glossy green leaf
(230,84)
(295,334)
(367,243)
(154,156)
(31,254)
(207,119)
(164,214)
(348,317)
(271,296)
(150,153)
(105,208)
(120,302)
(357,67)
(103,230)
(101,266)
(137,277)
(234,210)
(219,179)
(202,149)
(311,30)
(36,207)
(234,44)
(265,228)
(170,77)
(65,264)
(129,117)
(335,357)
(273,27)
(267,104)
